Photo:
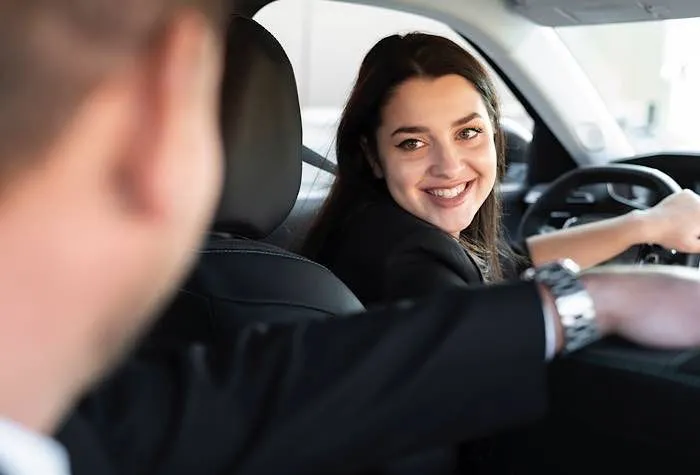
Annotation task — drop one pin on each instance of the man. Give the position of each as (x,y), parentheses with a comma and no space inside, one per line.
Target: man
(109,161)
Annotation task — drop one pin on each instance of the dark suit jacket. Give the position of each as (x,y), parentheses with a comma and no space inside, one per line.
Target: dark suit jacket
(332,396)
(383,253)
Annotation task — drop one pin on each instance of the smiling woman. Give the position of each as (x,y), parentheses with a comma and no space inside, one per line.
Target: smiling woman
(441,167)
(414,207)
(422,121)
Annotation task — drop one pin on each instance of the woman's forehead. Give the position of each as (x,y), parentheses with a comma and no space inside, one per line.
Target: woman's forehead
(438,101)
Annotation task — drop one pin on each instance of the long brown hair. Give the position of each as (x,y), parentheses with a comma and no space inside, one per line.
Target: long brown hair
(391,62)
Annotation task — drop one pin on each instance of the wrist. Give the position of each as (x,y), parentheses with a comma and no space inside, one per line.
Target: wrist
(598,287)
(566,300)
(641,227)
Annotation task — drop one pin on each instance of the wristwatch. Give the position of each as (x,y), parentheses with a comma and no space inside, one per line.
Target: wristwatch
(573,303)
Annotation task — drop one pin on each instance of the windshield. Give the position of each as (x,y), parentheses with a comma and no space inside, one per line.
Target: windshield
(648,74)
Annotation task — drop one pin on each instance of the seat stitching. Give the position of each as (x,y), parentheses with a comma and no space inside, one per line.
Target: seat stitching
(265,253)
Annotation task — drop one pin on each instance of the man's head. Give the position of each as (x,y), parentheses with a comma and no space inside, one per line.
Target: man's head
(109,173)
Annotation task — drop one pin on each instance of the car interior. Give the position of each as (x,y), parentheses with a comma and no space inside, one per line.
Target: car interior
(238,274)
(612,405)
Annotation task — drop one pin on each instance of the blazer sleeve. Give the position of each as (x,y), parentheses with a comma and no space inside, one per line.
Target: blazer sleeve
(325,396)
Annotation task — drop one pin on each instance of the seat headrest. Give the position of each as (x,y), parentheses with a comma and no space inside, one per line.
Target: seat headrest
(261,128)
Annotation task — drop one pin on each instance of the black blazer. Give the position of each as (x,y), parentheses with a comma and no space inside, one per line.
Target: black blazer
(332,396)
(383,254)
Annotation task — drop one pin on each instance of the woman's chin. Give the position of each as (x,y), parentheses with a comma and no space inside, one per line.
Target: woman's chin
(452,221)
(453,227)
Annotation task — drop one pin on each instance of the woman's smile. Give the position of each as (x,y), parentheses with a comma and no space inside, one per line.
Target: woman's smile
(450,197)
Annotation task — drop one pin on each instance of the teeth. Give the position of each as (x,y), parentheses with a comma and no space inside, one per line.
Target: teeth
(448,192)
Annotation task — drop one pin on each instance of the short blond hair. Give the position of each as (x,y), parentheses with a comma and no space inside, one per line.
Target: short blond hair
(52,52)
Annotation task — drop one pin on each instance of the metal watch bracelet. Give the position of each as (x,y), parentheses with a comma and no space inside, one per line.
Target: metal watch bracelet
(571,300)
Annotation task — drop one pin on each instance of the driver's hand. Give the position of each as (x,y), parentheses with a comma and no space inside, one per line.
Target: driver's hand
(674,223)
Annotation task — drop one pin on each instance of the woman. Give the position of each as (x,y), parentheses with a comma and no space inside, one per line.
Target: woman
(420,150)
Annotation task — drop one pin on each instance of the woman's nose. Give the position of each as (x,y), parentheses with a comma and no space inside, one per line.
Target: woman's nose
(448,162)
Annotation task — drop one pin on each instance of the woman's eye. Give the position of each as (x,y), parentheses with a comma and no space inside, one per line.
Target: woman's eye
(411,144)
(469,133)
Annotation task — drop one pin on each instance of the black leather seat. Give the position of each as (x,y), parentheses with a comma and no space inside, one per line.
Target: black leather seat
(291,233)
(238,279)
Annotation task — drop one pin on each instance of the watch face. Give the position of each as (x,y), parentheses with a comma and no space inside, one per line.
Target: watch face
(570,265)
(559,269)
(553,270)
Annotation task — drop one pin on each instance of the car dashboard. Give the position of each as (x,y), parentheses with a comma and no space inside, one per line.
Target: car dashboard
(616,406)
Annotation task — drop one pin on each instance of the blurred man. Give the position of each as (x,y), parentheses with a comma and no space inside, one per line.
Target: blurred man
(109,170)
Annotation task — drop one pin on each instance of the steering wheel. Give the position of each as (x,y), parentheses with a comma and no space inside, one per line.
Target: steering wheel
(554,198)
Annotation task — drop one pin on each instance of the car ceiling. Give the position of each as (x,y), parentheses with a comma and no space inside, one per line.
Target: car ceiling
(590,12)
(565,12)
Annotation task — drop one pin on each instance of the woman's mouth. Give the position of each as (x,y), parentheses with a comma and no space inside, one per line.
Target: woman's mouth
(449,197)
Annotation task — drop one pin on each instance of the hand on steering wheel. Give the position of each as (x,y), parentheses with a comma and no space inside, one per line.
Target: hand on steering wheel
(674,223)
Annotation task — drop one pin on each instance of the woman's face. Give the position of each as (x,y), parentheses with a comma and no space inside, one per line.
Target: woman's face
(436,150)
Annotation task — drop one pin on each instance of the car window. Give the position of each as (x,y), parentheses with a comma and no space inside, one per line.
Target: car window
(647,74)
(326,42)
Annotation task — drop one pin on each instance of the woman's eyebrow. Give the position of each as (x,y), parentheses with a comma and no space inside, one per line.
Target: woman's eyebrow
(418,129)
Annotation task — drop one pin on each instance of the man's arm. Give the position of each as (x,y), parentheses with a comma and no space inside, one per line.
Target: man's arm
(350,392)
(344,393)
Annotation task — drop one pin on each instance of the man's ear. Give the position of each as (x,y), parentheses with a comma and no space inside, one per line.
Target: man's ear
(169,83)
(371,158)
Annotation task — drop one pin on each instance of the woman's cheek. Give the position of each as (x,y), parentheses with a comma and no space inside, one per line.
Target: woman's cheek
(405,176)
